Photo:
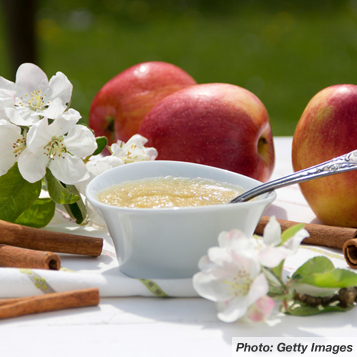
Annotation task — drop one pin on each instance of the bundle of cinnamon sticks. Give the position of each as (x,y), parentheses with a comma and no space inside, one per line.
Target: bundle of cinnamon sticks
(344,238)
(26,247)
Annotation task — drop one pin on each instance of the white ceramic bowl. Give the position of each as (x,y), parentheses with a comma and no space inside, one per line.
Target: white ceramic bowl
(167,243)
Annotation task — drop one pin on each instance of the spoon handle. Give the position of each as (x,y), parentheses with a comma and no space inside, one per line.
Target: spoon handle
(340,164)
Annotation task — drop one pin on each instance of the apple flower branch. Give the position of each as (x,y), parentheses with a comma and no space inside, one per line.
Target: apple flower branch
(244,277)
(43,147)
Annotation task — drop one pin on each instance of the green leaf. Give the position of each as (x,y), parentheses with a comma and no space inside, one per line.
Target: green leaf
(298,308)
(16,194)
(337,278)
(39,214)
(102,142)
(278,270)
(58,192)
(314,266)
(290,232)
(77,210)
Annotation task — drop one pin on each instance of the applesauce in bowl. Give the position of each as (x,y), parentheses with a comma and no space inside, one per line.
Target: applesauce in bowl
(169,192)
(167,242)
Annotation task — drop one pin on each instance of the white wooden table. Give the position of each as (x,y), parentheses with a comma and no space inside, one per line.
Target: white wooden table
(140,326)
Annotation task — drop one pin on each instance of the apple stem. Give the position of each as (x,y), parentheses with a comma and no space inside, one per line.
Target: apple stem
(261,143)
(110,126)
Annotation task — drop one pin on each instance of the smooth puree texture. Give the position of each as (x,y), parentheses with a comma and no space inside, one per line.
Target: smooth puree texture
(166,192)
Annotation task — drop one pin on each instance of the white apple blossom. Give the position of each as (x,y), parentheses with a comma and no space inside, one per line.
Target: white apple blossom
(12,143)
(273,250)
(32,96)
(60,146)
(231,276)
(134,150)
(260,310)
(96,166)
(122,153)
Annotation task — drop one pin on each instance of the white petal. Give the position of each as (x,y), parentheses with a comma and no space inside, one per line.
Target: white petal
(7,87)
(232,310)
(71,115)
(205,264)
(32,165)
(151,152)
(235,239)
(103,164)
(6,125)
(65,121)
(117,151)
(68,169)
(96,167)
(6,100)
(38,136)
(55,108)
(80,141)
(226,259)
(218,255)
(258,289)
(7,96)
(31,77)
(211,288)
(294,242)
(272,232)
(20,116)
(9,135)
(82,185)
(245,261)
(134,149)
(137,139)
(60,87)
(271,256)
(261,310)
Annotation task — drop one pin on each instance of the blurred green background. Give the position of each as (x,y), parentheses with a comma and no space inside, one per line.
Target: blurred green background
(283,51)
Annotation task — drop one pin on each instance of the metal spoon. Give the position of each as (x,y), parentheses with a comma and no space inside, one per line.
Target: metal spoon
(340,164)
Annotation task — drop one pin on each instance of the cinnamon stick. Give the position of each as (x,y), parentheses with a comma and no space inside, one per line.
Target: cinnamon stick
(15,257)
(48,302)
(40,239)
(322,235)
(350,252)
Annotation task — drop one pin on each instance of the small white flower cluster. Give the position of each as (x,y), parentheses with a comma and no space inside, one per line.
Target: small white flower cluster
(232,275)
(121,153)
(39,131)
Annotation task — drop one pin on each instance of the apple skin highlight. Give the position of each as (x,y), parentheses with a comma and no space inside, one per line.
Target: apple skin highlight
(216,124)
(327,129)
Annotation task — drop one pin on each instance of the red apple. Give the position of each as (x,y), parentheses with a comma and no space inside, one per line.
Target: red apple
(327,129)
(122,103)
(215,124)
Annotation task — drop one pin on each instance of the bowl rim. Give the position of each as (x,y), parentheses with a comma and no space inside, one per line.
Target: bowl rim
(265,198)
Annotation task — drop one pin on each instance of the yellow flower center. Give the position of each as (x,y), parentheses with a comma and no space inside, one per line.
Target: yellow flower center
(239,284)
(55,148)
(35,101)
(19,145)
(129,155)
